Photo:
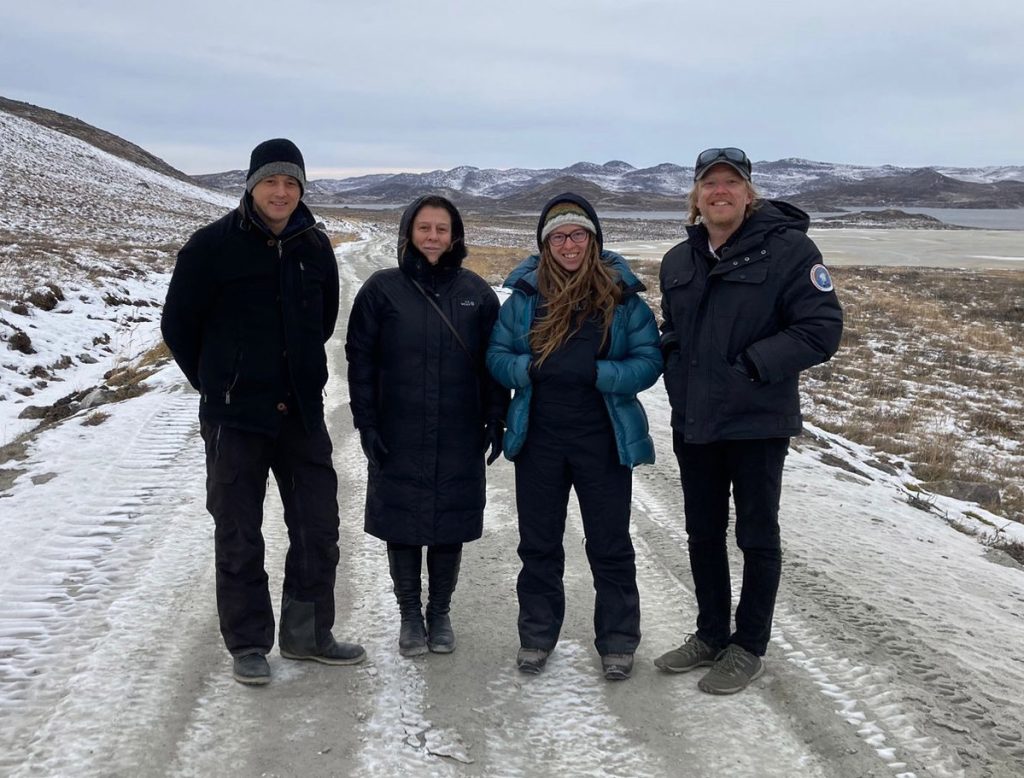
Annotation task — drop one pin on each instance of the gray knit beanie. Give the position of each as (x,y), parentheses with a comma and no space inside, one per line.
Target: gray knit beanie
(276,157)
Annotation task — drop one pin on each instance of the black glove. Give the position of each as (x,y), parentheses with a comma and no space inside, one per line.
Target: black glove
(494,434)
(373,446)
(745,366)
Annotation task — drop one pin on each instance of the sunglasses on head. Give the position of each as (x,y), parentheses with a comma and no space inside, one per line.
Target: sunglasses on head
(730,154)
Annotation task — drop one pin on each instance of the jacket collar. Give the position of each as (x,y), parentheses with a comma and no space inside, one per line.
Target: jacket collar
(301,220)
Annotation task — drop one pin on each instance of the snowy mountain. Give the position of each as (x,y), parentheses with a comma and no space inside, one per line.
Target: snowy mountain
(822,185)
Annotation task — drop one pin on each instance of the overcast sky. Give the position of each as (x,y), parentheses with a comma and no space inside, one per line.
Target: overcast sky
(382,85)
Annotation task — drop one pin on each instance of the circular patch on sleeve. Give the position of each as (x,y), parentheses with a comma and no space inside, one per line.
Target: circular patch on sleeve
(821,278)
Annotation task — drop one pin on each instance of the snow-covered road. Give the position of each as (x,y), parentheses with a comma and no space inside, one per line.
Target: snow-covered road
(896,649)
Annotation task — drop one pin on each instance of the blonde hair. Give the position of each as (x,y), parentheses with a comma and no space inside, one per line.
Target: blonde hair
(694,216)
(572,298)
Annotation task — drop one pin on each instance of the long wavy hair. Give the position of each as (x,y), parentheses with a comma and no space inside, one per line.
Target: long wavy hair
(572,298)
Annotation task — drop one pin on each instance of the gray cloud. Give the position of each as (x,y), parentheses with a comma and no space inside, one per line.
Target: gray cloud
(401,84)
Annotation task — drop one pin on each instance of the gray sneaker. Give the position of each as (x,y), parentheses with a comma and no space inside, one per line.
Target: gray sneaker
(251,669)
(692,654)
(732,671)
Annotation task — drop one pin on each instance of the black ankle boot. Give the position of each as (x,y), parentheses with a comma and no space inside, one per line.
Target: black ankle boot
(443,573)
(405,563)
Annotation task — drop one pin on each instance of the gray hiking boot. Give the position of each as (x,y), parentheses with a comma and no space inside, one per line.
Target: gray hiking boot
(531,660)
(251,669)
(692,654)
(732,671)
(617,667)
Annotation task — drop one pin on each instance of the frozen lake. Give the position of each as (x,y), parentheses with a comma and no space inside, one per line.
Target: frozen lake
(974,249)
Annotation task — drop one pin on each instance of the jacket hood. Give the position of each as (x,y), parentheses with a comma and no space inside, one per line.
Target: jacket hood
(410,258)
(571,197)
(778,213)
(524,276)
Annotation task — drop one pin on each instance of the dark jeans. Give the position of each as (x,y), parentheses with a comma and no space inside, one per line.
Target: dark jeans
(753,471)
(237,467)
(546,468)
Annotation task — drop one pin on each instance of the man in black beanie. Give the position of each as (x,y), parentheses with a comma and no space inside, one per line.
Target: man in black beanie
(251,304)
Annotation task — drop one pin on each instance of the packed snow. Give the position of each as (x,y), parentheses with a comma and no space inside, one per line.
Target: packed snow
(895,650)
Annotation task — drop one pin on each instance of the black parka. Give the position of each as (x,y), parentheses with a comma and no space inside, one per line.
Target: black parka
(427,397)
(738,331)
(247,316)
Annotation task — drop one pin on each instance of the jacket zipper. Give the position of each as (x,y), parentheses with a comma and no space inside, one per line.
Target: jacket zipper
(238,372)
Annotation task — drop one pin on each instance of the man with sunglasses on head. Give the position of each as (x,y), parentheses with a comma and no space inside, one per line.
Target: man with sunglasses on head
(747,305)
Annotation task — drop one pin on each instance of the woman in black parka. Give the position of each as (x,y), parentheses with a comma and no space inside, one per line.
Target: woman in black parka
(426,410)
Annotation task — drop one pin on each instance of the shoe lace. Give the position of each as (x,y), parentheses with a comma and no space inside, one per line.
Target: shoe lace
(732,660)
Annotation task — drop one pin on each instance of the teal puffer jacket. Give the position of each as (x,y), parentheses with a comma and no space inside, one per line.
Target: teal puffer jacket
(633,362)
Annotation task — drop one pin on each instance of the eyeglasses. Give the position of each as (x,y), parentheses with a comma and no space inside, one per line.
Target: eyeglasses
(730,154)
(577,236)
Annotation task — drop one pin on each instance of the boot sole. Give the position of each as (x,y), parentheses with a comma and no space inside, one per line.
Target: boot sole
(670,669)
(252,680)
(441,648)
(324,660)
(414,651)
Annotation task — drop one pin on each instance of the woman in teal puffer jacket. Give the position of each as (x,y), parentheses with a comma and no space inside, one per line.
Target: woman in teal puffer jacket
(576,343)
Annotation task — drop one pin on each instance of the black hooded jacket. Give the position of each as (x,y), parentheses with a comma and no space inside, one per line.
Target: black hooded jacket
(738,330)
(247,316)
(411,379)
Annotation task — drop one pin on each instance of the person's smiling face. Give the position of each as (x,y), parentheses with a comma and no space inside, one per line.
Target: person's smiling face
(722,198)
(568,244)
(275,199)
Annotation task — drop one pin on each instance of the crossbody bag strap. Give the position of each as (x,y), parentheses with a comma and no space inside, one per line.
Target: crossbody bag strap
(444,318)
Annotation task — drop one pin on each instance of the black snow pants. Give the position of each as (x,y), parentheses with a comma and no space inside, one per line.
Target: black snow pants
(753,471)
(547,467)
(237,467)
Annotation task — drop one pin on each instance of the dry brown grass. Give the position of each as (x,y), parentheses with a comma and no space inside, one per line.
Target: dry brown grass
(931,370)
(343,237)
(492,263)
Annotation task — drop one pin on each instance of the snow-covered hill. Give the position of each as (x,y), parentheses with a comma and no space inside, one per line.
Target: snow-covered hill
(780,178)
(86,242)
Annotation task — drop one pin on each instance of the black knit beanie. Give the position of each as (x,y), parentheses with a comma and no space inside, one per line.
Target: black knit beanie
(276,157)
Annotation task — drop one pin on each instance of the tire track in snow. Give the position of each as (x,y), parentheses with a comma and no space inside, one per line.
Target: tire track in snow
(883,719)
(85,630)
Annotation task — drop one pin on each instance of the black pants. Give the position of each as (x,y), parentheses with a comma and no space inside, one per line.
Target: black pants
(546,468)
(237,466)
(753,470)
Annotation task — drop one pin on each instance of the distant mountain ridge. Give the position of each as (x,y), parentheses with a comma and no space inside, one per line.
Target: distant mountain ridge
(616,184)
(818,186)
